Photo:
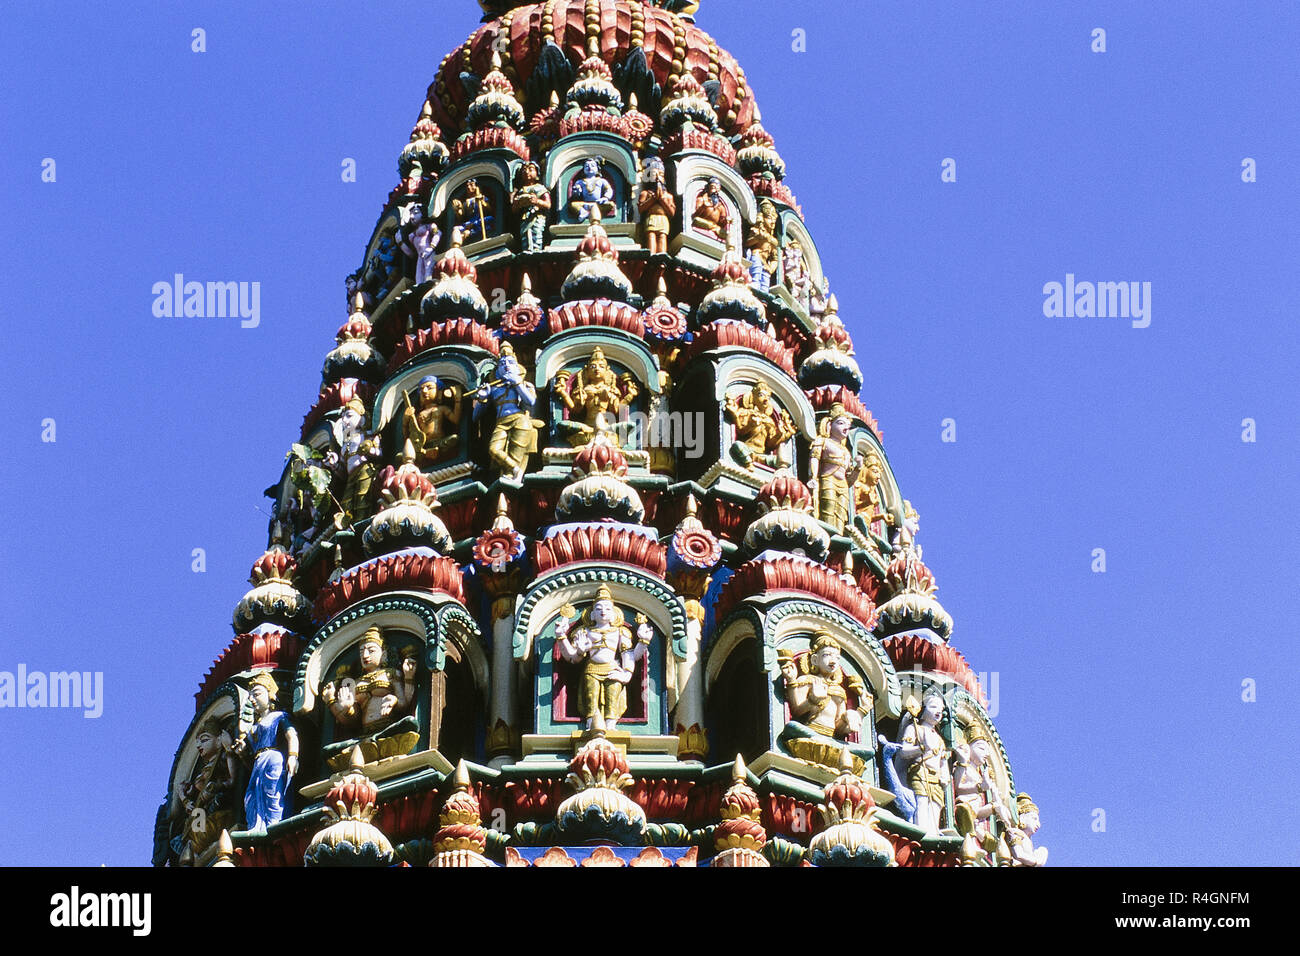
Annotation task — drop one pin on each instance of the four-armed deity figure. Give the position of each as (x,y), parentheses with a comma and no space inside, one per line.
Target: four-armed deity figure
(591,195)
(762,427)
(531,202)
(657,205)
(514,435)
(831,469)
(473,213)
(923,754)
(419,238)
(431,423)
(712,217)
(378,703)
(594,397)
(817,689)
(356,452)
(608,651)
(272,746)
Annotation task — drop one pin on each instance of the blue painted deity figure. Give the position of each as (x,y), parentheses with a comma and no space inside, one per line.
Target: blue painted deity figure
(514,434)
(273,768)
(591,195)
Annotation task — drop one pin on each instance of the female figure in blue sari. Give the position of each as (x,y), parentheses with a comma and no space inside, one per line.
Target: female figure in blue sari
(273,769)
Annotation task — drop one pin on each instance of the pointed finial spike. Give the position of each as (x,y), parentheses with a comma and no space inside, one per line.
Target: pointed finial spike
(739,773)
(846,761)
(496,58)
(461,779)
(503,506)
(408,453)
(555,98)
(663,286)
(631,102)
(356,760)
(526,284)
(691,505)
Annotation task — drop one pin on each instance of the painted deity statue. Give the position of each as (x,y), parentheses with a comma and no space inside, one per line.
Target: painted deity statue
(431,423)
(531,202)
(866,493)
(763,248)
(762,427)
(657,205)
(514,433)
(1019,847)
(608,651)
(712,217)
(380,696)
(817,689)
(204,805)
(974,795)
(832,469)
(795,269)
(923,754)
(593,396)
(272,746)
(355,453)
(419,238)
(473,213)
(591,195)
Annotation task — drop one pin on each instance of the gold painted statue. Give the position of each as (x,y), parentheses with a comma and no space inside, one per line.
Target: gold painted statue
(762,427)
(593,395)
(712,217)
(473,213)
(608,651)
(206,803)
(763,248)
(832,469)
(866,492)
(817,689)
(369,703)
(431,423)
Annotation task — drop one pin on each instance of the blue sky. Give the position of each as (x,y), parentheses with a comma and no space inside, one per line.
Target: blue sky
(1120,691)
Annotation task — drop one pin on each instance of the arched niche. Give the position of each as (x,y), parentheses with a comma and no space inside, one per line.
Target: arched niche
(863,442)
(443,627)
(747,368)
(492,176)
(230,708)
(792,227)
(632,590)
(574,345)
(968,713)
(618,162)
(788,624)
(455,363)
(736,708)
(692,171)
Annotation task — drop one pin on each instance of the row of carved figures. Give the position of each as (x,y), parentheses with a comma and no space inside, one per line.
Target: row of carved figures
(591,197)
(373,710)
(840,480)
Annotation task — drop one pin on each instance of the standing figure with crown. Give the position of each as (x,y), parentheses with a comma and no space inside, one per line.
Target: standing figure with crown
(609,652)
(355,454)
(832,469)
(514,433)
(272,746)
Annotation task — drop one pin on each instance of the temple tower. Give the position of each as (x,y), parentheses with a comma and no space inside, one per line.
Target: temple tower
(589,552)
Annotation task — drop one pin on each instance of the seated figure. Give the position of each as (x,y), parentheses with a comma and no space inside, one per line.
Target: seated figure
(376,706)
